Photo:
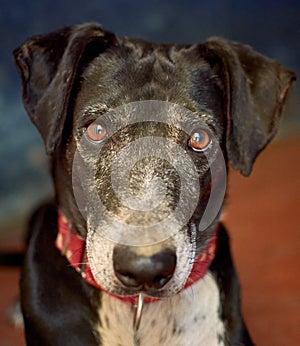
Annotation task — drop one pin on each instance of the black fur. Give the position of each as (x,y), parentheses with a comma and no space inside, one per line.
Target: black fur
(243,90)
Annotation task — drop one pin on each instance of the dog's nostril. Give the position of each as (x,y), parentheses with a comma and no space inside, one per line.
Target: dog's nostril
(127,279)
(135,271)
(159,281)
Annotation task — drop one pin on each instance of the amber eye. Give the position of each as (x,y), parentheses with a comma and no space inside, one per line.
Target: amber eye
(199,140)
(96,132)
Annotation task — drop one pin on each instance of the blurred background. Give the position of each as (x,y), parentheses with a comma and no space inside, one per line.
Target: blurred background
(271,27)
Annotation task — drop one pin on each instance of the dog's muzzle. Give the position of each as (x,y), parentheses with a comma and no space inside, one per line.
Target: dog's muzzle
(151,273)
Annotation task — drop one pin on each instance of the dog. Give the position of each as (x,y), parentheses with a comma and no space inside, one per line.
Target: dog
(90,277)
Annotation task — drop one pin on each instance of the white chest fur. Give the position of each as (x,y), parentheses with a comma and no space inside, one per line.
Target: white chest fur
(190,318)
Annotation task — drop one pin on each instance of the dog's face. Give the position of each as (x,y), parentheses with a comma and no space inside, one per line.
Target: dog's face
(128,74)
(86,97)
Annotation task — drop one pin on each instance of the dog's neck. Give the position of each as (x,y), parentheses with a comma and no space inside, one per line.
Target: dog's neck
(72,246)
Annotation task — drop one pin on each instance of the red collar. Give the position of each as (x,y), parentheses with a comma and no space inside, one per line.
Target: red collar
(72,246)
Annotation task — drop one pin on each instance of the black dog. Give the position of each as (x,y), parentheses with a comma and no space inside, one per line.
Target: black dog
(81,287)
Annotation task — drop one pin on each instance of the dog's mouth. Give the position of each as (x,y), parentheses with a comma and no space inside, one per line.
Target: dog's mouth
(157,271)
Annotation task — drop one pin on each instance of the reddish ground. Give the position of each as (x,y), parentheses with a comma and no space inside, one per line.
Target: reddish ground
(262,218)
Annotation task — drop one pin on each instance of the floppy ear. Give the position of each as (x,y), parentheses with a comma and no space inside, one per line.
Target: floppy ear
(49,65)
(255,90)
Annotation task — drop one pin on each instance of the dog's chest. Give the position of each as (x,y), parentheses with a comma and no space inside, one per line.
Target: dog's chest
(188,319)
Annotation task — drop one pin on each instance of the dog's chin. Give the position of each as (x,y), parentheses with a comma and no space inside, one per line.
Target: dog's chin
(110,284)
(151,293)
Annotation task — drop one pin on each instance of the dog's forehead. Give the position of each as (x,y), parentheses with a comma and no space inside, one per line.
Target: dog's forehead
(135,70)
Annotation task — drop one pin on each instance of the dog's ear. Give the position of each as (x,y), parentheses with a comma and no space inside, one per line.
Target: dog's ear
(255,90)
(49,65)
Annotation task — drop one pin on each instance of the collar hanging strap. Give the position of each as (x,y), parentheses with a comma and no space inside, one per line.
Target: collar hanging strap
(72,246)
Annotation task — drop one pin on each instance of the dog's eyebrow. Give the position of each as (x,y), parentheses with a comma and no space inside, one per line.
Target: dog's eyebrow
(192,119)
(96,108)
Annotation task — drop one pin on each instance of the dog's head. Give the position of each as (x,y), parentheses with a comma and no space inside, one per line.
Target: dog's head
(92,95)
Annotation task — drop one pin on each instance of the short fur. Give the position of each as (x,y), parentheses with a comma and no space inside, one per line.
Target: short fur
(72,76)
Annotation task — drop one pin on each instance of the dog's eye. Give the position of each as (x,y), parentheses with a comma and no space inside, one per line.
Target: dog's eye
(199,140)
(96,132)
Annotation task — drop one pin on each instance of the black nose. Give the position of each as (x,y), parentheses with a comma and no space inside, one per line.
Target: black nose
(139,271)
